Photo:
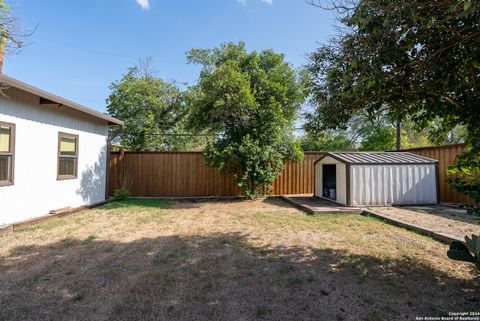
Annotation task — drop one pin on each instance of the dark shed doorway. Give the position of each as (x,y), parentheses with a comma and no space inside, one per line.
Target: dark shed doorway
(330,181)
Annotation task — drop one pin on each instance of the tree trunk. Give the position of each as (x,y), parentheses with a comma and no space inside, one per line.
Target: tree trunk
(399,134)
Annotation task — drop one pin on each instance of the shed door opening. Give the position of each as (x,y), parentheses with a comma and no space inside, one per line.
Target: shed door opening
(330,181)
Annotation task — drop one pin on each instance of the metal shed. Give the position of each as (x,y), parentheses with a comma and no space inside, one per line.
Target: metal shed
(376,178)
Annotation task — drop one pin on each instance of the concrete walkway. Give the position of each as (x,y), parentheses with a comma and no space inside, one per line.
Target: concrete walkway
(314,205)
(442,223)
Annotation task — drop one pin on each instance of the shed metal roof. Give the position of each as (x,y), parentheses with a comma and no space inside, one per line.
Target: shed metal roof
(380,158)
(9,81)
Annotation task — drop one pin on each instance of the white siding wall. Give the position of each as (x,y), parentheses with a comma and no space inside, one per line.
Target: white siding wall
(341,179)
(393,184)
(36,189)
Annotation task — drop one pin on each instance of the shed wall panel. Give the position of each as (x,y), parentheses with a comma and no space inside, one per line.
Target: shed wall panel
(393,184)
(446,155)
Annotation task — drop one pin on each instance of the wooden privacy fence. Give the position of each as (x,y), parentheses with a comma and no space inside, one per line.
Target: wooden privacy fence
(446,155)
(185,174)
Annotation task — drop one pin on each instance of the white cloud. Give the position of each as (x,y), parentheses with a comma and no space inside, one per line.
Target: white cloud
(145,4)
(244,2)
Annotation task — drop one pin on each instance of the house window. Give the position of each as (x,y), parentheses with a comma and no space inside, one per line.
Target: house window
(7,153)
(67,156)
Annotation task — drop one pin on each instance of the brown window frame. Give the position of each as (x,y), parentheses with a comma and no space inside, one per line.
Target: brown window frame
(67,135)
(11,153)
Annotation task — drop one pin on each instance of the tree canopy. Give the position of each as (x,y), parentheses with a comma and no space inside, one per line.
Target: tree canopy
(327,141)
(153,111)
(401,58)
(250,101)
(365,134)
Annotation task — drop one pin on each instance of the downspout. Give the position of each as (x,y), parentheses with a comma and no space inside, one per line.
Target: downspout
(110,138)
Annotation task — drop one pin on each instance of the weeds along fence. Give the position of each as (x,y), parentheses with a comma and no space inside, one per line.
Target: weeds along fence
(445,155)
(185,174)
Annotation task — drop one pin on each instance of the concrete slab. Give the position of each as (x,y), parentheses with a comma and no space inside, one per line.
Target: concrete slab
(314,205)
(442,223)
(436,235)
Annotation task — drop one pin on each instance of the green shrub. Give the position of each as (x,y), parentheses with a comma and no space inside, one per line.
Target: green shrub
(464,176)
(121,194)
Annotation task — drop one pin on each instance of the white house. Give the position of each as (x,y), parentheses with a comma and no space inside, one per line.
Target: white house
(376,178)
(53,152)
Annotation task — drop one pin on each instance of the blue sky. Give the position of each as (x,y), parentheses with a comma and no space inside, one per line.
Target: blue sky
(80,47)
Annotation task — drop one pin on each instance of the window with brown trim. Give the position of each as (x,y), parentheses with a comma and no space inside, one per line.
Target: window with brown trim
(7,153)
(67,156)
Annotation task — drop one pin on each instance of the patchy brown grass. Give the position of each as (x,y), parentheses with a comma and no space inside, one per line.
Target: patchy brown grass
(230,260)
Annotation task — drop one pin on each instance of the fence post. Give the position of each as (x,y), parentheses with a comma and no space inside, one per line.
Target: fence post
(121,163)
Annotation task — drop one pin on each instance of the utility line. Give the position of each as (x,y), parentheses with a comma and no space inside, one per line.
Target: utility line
(112,54)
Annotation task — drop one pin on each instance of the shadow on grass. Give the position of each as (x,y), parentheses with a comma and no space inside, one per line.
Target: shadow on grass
(277,201)
(138,203)
(220,277)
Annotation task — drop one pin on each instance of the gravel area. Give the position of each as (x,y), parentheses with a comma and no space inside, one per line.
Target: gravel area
(441,219)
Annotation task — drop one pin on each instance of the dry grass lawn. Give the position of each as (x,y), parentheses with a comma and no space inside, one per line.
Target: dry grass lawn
(226,260)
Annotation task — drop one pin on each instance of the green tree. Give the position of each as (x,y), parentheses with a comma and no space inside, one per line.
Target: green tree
(417,59)
(328,141)
(153,111)
(378,138)
(250,100)
(366,135)
(380,134)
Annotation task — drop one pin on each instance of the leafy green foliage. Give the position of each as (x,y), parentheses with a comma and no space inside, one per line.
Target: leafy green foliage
(250,101)
(327,142)
(464,175)
(378,138)
(365,135)
(404,59)
(153,111)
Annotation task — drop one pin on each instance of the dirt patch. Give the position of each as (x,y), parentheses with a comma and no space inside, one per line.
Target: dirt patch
(226,260)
